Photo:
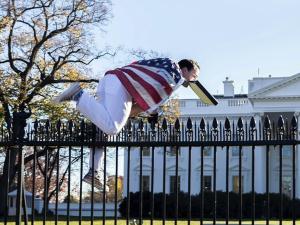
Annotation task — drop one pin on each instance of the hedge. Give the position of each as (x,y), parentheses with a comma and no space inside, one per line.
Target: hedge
(183,207)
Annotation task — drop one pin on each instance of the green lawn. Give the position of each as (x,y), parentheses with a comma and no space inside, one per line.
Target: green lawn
(159,222)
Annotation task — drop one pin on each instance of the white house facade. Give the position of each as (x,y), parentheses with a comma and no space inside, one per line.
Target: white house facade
(272,96)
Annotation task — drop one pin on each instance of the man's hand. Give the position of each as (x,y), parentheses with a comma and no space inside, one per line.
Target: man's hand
(135,110)
(153,118)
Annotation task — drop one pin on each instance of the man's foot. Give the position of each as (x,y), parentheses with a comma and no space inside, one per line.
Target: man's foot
(88,178)
(71,93)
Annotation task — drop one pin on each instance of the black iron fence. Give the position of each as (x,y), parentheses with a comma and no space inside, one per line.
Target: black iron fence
(48,159)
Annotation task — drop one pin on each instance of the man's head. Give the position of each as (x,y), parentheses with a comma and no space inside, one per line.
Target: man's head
(189,68)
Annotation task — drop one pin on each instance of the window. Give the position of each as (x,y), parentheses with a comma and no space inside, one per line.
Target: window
(235,184)
(171,151)
(146,151)
(287,185)
(286,151)
(173,184)
(207,183)
(181,104)
(146,183)
(207,151)
(201,104)
(235,151)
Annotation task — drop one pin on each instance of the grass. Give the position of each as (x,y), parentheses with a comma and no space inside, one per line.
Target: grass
(159,222)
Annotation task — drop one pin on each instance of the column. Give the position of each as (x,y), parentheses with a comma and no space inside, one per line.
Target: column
(260,159)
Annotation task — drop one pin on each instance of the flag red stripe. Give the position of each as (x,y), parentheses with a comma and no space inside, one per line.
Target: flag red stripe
(130,88)
(148,87)
(155,76)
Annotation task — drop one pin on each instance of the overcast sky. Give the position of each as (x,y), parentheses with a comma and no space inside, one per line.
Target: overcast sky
(227,37)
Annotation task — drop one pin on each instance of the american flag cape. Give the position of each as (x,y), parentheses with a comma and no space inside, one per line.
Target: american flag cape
(150,82)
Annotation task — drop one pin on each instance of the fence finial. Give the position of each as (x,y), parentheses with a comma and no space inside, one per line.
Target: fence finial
(252,123)
(189,124)
(202,124)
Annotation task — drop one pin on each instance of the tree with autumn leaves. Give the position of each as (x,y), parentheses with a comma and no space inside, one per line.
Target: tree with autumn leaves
(44,44)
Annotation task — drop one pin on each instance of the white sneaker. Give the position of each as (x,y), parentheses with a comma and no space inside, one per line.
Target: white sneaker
(68,94)
(88,178)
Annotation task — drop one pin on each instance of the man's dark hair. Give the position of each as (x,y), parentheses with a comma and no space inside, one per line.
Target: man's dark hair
(189,64)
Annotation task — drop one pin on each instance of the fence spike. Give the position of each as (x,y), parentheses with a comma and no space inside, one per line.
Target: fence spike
(152,125)
(294,127)
(35,125)
(240,124)
(280,123)
(58,125)
(177,124)
(47,125)
(215,124)
(189,124)
(70,124)
(202,124)
(252,123)
(141,125)
(227,124)
(294,122)
(129,125)
(164,124)
(267,123)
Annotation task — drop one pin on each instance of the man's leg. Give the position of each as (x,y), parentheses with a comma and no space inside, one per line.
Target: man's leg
(112,110)
(95,170)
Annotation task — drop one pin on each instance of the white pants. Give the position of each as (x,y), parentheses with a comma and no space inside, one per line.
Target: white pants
(109,112)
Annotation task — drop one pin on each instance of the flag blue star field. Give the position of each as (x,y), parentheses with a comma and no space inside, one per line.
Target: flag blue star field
(150,82)
(163,63)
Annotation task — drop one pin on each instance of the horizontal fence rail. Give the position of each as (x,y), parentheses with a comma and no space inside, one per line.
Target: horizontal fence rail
(217,171)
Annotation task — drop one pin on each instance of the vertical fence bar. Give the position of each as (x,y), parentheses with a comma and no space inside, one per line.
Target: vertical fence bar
(176,186)
(189,185)
(57,185)
(116,185)
(69,184)
(152,186)
(267,185)
(227,136)
(294,135)
(294,184)
(45,186)
(128,186)
(58,126)
(253,185)
(20,187)
(240,137)
(202,187)
(164,136)
(215,185)
(93,181)
(202,137)
(253,130)
(33,186)
(280,185)
(141,186)
(93,151)
(164,185)
(240,186)
(267,136)
(104,187)
(177,179)
(227,185)
(215,138)
(7,186)
(82,136)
